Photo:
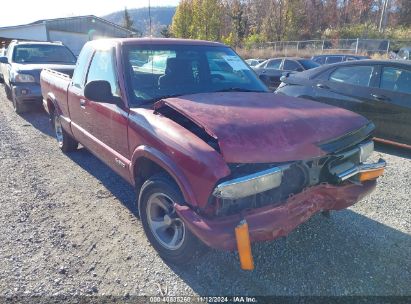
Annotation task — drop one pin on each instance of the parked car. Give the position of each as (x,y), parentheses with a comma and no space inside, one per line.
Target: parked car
(22,65)
(404,53)
(271,70)
(379,90)
(335,58)
(212,158)
(253,62)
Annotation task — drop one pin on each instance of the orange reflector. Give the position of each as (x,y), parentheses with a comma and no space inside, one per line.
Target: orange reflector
(244,246)
(369,175)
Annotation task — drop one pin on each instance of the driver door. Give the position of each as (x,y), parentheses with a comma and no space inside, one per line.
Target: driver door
(105,125)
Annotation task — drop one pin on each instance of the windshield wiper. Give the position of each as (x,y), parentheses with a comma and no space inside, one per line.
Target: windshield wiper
(238,90)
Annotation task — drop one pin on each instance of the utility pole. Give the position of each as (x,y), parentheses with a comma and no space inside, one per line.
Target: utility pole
(384,17)
(149,17)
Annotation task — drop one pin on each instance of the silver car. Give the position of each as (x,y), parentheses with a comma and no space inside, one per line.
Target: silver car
(404,53)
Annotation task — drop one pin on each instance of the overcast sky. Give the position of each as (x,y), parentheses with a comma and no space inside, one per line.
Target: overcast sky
(16,12)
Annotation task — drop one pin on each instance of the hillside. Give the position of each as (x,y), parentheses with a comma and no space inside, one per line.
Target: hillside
(160,16)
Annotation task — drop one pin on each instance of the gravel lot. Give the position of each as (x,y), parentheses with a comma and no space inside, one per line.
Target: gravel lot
(68,226)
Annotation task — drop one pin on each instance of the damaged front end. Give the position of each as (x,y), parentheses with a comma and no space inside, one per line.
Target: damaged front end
(258,185)
(283,166)
(271,200)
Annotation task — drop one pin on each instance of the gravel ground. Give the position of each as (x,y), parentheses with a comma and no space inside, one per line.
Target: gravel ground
(69,227)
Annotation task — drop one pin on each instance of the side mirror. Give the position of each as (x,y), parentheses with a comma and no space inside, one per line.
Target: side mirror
(284,76)
(100,91)
(3,59)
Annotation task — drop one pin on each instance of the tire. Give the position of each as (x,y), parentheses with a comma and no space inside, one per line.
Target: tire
(65,141)
(8,91)
(18,107)
(172,240)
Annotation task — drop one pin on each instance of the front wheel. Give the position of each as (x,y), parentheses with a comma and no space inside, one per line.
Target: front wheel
(7,91)
(164,229)
(18,107)
(65,141)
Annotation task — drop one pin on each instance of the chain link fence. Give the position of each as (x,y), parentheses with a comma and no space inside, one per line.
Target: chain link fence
(353,46)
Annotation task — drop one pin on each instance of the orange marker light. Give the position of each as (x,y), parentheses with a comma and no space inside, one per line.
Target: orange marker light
(370,175)
(244,246)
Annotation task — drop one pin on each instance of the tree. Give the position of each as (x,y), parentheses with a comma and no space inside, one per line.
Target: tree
(182,20)
(127,21)
(236,11)
(165,32)
(405,12)
(198,19)
(243,22)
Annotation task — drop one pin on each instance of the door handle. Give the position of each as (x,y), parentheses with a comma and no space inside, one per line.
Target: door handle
(82,103)
(322,86)
(380,97)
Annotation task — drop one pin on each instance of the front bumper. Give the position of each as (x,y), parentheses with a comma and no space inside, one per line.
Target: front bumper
(269,223)
(360,169)
(27,92)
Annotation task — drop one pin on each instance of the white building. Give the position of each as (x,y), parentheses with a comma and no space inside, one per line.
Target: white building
(74,32)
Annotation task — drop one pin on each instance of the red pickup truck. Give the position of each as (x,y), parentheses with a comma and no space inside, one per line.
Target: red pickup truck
(213,155)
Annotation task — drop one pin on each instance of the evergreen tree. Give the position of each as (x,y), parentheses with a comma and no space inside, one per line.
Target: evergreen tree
(127,21)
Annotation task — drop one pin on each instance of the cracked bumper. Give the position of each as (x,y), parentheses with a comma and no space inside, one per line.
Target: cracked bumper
(268,223)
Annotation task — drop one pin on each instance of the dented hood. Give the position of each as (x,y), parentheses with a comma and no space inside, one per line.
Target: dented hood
(264,127)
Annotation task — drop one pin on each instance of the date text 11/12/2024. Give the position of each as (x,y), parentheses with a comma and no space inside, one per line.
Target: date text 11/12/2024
(205,299)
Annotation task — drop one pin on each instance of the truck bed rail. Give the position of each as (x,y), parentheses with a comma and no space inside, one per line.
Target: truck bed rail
(57,73)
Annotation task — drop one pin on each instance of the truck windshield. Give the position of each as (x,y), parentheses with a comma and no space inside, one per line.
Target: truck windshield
(43,53)
(163,71)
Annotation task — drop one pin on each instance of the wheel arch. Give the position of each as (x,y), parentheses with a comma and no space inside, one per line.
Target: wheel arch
(51,104)
(147,161)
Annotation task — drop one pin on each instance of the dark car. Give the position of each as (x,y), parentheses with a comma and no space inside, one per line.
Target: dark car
(335,58)
(271,70)
(21,67)
(379,90)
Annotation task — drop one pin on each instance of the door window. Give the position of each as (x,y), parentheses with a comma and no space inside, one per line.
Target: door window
(356,75)
(333,59)
(102,67)
(81,66)
(274,64)
(291,65)
(319,60)
(395,79)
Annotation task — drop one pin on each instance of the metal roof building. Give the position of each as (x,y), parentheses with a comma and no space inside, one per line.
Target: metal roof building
(72,31)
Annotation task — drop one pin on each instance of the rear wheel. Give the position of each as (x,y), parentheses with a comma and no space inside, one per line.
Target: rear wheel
(164,229)
(64,140)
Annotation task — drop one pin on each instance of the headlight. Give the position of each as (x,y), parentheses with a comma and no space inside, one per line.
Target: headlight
(249,184)
(24,78)
(366,151)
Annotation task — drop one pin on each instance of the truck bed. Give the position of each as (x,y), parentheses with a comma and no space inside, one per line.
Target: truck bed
(54,87)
